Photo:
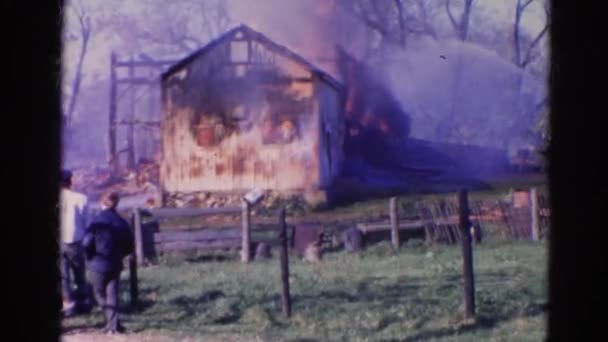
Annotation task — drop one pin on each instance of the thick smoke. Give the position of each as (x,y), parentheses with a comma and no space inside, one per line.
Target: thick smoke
(461,93)
(444,92)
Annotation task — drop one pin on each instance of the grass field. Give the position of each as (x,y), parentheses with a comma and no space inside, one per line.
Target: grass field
(374,295)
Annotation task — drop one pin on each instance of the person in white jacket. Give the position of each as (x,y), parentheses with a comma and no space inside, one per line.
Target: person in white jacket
(74,217)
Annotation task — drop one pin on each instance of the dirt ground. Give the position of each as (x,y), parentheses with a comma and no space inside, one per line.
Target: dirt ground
(92,335)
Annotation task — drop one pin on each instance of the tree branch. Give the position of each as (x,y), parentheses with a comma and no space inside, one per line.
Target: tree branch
(449,11)
(401,20)
(461,26)
(525,4)
(427,28)
(519,10)
(535,42)
(518,13)
(464,20)
(376,26)
(85,31)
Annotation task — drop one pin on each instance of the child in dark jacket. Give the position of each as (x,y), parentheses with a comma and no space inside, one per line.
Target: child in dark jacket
(107,241)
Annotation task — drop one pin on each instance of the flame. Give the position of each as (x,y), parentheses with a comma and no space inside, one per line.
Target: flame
(369,104)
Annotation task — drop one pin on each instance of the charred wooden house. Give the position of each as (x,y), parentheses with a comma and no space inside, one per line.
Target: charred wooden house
(244,112)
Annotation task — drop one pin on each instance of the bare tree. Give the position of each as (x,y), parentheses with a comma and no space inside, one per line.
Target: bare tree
(401,19)
(176,28)
(84,35)
(523,58)
(394,20)
(462,24)
(526,55)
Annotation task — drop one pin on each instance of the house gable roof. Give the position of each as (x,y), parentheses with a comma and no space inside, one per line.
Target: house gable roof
(254,35)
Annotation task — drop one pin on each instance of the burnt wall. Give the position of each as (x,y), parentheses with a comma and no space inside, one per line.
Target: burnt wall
(240,124)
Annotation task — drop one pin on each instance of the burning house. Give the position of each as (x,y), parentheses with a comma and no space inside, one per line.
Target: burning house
(244,112)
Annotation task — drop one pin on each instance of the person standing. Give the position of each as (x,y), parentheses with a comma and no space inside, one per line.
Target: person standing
(74,216)
(107,241)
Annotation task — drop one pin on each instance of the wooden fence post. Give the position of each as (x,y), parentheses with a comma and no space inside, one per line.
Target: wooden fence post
(246,233)
(131,119)
(534,222)
(114,162)
(139,241)
(133,281)
(394,222)
(286,299)
(467,255)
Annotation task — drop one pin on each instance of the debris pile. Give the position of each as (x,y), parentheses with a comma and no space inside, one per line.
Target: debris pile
(137,186)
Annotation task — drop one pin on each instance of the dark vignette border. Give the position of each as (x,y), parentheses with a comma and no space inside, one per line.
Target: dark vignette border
(577,174)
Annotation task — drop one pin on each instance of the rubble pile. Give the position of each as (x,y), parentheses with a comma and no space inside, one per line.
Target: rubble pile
(137,186)
(271,201)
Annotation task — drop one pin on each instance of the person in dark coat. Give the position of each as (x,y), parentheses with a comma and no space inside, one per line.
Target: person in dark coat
(108,240)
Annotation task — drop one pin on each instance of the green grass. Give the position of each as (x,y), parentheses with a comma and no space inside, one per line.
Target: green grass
(375,295)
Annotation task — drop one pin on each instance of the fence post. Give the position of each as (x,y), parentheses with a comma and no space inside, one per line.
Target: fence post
(114,161)
(139,241)
(246,233)
(534,222)
(133,281)
(467,255)
(286,299)
(394,222)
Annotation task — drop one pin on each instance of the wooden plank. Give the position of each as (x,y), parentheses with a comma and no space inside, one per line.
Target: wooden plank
(195,245)
(394,222)
(255,228)
(286,298)
(210,244)
(137,80)
(133,63)
(112,116)
(534,215)
(467,255)
(369,227)
(137,122)
(246,232)
(414,225)
(133,280)
(181,212)
(131,128)
(197,235)
(139,245)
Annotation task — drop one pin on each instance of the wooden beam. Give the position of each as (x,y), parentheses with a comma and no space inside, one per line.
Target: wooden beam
(133,281)
(181,212)
(413,225)
(137,122)
(138,80)
(467,255)
(394,222)
(112,116)
(139,243)
(534,215)
(286,298)
(194,245)
(130,128)
(133,63)
(197,235)
(246,232)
